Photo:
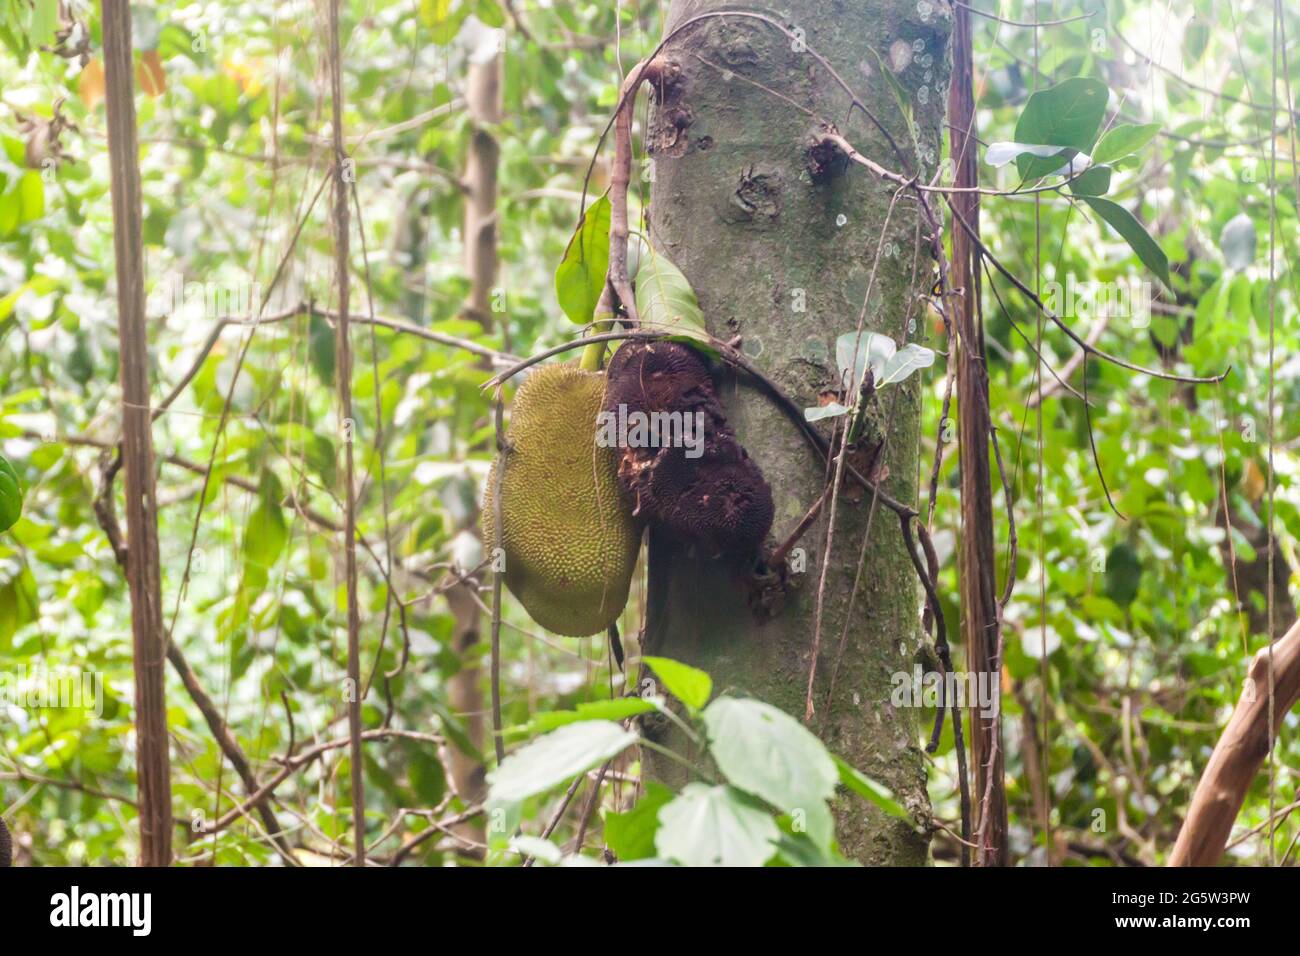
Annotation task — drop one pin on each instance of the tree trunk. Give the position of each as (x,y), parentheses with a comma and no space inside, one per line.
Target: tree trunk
(780,251)
(465,688)
(143,571)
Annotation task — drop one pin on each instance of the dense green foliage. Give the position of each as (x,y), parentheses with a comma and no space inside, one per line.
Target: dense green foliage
(1125,644)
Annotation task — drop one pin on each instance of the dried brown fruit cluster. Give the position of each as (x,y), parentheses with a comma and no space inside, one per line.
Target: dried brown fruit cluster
(709,493)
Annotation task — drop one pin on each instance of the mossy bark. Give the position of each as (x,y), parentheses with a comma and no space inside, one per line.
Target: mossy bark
(780,252)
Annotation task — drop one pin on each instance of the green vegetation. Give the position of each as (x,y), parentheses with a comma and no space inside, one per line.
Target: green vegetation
(1140,167)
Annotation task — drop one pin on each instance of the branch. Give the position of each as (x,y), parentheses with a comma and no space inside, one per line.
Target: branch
(1029,294)
(106,513)
(1245,742)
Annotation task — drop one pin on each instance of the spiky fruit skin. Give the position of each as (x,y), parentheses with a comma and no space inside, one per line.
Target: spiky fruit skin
(569,536)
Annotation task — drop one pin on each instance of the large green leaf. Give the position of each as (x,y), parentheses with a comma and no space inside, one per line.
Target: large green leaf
(11,495)
(1068,114)
(666,302)
(688,684)
(631,835)
(580,276)
(715,826)
(552,759)
(1135,234)
(766,752)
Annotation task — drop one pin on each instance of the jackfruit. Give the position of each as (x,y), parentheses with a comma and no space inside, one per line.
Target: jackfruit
(568,533)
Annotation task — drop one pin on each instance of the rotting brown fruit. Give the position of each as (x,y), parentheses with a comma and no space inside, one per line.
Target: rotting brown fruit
(718,501)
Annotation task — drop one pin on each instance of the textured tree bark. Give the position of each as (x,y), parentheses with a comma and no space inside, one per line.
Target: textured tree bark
(779,249)
(1241,749)
(143,572)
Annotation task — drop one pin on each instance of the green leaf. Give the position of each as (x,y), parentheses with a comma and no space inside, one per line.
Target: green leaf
(631,835)
(620,708)
(11,495)
(425,772)
(442,19)
(1123,140)
(18,606)
(321,346)
(764,751)
(1123,574)
(453,727)
(1094,182)
(11,208)
(688,684)
(266,532)
(1135,234)
(1195,38)
(877,793)
(715,826)
(81,360)
(665,301)
(1068,114)
(31,196)
(552,759)
(45,19)
(895,87)
(580,276)
(490,12)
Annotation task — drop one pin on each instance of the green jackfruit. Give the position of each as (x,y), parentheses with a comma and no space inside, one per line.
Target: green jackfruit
(569,536)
